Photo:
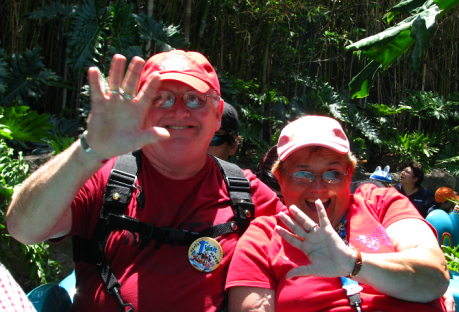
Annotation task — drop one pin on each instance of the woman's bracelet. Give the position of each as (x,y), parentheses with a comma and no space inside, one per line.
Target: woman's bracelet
(357,264)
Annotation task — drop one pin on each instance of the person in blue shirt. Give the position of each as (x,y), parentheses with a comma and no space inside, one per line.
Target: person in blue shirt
(410,185)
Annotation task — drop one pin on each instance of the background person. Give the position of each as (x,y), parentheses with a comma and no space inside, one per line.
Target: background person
(447,198)
(226,140)
(264,172)
(310,258)
(410,185)
(170,108)
(12,297)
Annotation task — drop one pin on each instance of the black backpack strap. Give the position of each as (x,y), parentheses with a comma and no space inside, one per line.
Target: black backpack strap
(121,184)
(118,192)
(120,187)
(239,192)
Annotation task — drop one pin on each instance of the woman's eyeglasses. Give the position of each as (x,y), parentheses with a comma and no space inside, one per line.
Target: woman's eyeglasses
(192,99)
(328,177)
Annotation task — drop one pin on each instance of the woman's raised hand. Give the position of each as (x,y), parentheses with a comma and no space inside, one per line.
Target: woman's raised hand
(328,254)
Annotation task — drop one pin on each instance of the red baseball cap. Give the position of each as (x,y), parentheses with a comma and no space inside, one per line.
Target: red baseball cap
(312,131)
(191,68)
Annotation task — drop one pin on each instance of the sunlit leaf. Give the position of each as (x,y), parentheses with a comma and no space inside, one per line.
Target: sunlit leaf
(446,4)
(360,85)
(24,124)
(389,45)
(403,7)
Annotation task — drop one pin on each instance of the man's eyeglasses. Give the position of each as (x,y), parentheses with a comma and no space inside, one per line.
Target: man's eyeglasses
(219,139)
(192,99)
(328,177)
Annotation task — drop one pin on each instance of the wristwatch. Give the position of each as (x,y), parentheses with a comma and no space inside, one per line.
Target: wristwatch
(84,143)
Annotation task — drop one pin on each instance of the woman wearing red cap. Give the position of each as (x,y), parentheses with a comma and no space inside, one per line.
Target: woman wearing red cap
(333,251)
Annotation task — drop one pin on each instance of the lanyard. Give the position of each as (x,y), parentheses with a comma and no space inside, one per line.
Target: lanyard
(351,287)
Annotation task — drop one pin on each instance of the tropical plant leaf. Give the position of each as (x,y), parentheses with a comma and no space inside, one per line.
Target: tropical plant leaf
(389,45)
(165,37)
(86,38)
(26,77)
(413,146)
(122,26)
(51,11)
(403,7)
(25,124)
(386,46)
(446,4)
(421,36)
(5,132)
(451,164)
(359,87)
(386,110)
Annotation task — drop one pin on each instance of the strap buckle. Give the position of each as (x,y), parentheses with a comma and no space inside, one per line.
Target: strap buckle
(236,184)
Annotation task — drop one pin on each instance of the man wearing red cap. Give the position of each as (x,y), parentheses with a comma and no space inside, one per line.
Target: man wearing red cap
(169,108)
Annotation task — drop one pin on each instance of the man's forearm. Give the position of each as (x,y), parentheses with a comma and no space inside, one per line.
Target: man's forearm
(40,207)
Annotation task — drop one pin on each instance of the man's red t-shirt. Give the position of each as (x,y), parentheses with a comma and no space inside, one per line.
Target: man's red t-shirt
(162,279)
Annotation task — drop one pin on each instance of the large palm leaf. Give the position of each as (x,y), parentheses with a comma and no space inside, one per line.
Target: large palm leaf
(384,48)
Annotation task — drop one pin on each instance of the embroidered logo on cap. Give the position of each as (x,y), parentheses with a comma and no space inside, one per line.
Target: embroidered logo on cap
(175,62)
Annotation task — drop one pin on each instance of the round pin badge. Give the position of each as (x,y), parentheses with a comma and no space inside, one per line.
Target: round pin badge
(205,254)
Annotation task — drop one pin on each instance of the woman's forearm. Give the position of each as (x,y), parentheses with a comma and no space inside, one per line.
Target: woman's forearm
(414,274)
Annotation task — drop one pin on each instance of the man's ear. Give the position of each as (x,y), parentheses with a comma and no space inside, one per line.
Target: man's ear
(219,113)
(221,106)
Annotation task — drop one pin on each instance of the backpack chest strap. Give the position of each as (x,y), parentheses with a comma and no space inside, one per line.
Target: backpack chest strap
(117,196)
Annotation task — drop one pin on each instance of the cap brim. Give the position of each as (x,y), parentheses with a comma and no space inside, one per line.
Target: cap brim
(196,83)
(334,147)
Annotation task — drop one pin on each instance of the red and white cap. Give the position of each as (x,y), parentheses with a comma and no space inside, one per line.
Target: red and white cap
(312,131)
(191,68)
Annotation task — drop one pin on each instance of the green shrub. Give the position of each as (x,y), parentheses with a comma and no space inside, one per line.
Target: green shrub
(30,264)
(452,257)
